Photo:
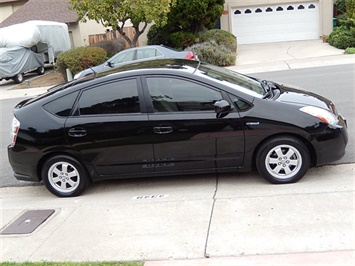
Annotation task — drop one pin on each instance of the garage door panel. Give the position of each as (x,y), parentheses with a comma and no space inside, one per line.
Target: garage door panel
(299,21)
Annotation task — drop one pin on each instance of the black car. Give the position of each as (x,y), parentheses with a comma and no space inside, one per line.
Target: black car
(171,117)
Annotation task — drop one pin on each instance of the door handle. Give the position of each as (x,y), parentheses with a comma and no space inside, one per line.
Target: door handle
(162,130)
(77,132)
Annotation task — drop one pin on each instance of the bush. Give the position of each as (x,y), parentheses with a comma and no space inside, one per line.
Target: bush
(181,40)
(342,37)
(78,59)
(112,47)
(221,37)
(214,53)
(350,50)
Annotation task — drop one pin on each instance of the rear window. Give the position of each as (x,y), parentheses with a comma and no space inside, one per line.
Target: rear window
(62,106)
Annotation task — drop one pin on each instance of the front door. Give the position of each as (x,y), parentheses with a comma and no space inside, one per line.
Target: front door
(187,134)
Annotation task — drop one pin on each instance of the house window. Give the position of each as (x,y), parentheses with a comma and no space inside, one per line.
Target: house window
(237,12)
(248,11)
(290,8)
(311,6)
(279,8)
(258,10)
(269,9)
(300,7)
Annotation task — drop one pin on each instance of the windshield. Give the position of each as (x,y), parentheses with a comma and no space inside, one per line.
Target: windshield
(233,78)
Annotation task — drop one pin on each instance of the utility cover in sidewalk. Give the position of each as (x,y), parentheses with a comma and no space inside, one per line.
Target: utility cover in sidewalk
(27,222)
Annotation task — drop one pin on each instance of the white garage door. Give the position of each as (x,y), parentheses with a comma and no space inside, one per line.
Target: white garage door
(274,23)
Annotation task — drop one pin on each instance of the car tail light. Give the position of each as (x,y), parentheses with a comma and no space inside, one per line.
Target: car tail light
(190,55)
(14,130)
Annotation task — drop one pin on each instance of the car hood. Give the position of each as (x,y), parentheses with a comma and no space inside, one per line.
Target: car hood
(300,97)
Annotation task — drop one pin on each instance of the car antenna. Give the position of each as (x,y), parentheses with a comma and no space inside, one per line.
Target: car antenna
(199,63)
(95,73)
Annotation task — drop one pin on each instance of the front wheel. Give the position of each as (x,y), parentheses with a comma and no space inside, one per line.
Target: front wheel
(40,70)
(64,176)
(18,78)
(283,160)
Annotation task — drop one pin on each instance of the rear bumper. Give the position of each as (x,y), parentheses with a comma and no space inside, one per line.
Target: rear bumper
(24,170)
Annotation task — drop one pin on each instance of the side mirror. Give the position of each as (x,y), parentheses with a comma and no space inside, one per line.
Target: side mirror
(110,64)
(222,108)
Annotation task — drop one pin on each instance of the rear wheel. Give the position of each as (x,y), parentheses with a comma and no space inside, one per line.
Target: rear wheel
(40,70)
(64,176)
(18,78)
(283,160)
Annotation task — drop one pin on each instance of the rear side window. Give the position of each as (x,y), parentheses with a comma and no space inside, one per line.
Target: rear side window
(62,106)
(113,98)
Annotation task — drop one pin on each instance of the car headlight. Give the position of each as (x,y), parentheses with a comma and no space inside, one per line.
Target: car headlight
(322,114)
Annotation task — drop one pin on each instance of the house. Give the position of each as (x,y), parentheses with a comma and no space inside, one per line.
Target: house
(13,12)
(257,21)
(252,21)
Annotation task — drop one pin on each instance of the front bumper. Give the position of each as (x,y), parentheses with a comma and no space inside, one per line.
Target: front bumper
(330,144)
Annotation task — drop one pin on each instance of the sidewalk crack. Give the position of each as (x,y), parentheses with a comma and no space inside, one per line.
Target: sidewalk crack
(206,255)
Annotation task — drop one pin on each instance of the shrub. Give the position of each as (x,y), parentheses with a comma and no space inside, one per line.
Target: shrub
(221,37)
(112,47)
(350,50)
(78,59)
(181,40)
(215,54)
(342,37)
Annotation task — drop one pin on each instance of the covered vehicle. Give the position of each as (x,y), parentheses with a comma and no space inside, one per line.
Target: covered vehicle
(28,46)
(16,61)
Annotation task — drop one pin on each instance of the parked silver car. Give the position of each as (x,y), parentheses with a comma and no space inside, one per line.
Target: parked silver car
(137,54)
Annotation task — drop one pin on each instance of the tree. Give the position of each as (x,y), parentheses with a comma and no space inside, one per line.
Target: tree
(185,18)
(195,15)
(116,13)
(350,8)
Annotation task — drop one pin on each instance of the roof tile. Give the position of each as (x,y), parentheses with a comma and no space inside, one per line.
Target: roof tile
(50,10)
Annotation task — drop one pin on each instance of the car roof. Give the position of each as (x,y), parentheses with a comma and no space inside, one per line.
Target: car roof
(177,64)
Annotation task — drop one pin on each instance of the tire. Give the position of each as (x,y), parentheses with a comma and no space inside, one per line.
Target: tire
(40,70)
(283,160)
(18,78)
(64,176)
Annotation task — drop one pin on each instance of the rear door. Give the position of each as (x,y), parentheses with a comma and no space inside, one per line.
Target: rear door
(187,134)
(109,129)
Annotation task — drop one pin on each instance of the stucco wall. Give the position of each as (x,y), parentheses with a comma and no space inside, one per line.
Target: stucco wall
(325,16)
(7,9)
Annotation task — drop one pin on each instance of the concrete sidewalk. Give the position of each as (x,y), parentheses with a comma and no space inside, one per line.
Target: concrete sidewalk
(232,219)
(254,58)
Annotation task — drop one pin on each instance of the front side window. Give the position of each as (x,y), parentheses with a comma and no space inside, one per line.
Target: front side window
(178,95)
(112,98)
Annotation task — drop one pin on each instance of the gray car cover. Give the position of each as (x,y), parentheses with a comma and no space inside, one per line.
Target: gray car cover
(17,60)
